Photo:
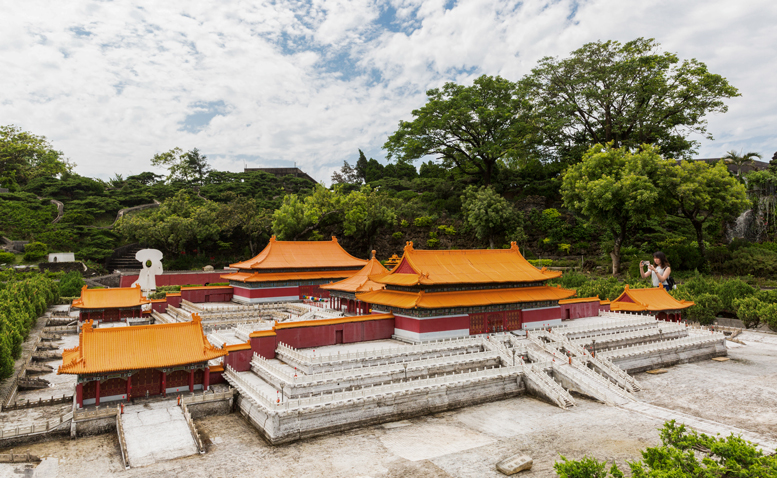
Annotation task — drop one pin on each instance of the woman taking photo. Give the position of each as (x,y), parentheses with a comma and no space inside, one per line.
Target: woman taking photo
(659,271)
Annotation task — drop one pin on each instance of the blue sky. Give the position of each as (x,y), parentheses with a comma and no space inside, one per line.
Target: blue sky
(283,82)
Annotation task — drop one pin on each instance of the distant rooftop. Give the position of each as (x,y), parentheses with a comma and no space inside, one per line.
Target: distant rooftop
(280,172)
(746,168)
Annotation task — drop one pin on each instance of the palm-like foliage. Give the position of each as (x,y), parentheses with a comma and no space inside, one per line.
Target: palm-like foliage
(739,159)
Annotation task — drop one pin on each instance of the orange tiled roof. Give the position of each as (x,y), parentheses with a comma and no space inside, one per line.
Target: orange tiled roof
(302,255)
(110,298)
(653,299)
(477,266)
(579,300)
(286,276)
(360,282)
(441,300)
(137,347)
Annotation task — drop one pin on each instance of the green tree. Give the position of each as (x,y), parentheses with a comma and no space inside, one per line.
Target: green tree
(486,212)
(739,159)
(190,167)
(70,285)
(471,128)
(628,94)
(297,217)
(677,457)
(698,192)
(245,215)
(366,212)
(614,188)
(25,156)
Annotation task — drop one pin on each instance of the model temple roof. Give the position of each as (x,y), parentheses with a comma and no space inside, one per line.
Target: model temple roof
(258,276)
(301,255)
(360,282)
(468,298)
(653,299)
(479,266)
(117,297)
(137,347)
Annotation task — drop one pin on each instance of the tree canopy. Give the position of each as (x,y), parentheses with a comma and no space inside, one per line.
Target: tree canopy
(471,128)
(190,166)
(615,188)
(25,156)
(628,94)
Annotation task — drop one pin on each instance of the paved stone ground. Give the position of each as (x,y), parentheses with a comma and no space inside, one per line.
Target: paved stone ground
(156,432)
(466,442)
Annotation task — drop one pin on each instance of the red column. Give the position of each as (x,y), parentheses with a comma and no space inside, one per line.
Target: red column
(191,381)
(206,379)
(80,395)
(129,387)
(97,393)
(164,384)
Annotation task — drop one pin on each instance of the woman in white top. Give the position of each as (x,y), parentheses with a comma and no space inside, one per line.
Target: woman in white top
(659,272)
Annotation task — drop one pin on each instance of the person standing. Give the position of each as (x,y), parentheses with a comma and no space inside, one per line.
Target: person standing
(659,271)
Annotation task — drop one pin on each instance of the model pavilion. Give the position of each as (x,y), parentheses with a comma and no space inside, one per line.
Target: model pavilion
(110,305)
(440,294)
(343,293)
(654,301)
(290,270)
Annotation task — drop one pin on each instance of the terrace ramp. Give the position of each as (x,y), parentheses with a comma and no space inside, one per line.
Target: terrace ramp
(156,432)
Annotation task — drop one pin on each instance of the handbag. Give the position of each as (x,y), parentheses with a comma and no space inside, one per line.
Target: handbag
(670,284)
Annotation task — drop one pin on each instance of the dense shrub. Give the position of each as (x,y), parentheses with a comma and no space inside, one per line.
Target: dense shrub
(22,299)
(7,258)
(748,311)
(423,221)
(35,251)
(768,314)
(754,260)
(732,289)
(706,309)
(70,285)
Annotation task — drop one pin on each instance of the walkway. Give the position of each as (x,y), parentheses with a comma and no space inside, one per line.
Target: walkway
(156,432)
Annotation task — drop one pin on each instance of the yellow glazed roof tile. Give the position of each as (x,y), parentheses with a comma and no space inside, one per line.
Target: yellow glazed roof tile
(301,255)
(137,347)
(653,299)
(474,298)
(360,282)
(286,276)
(432,267)
(116,297)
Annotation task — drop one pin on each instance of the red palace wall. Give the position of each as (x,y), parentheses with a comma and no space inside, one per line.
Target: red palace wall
(220,294)
(321,335)
(580,309)
(267,295)
(542,315)
(240,360)
(179,278)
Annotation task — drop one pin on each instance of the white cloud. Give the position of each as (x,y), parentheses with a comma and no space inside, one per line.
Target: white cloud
(111,83)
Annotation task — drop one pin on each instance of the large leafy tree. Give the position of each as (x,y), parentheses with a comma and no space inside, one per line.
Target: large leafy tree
(628,94)
(471,128)
(699,192)
(366,212)
(25,156)
(616,189)
(190,166)
(486,212)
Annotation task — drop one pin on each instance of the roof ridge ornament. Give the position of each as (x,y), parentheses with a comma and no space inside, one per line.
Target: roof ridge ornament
(334,239)
(373,254)
(514,247)
(409,246)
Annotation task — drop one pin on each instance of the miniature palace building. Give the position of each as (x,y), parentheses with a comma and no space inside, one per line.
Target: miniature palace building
(437,294)
(654,300)
(119,363)
(289,270)
(344,292)
(110,305)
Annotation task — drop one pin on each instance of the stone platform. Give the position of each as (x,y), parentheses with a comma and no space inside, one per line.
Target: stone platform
(156,432)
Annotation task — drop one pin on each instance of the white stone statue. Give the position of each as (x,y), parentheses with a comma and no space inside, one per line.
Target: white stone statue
(152,266)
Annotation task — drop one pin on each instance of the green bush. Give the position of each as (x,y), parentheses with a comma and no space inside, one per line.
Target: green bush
(540,263)
(733,289)
(447,230)
(35,251)
(404,223)
(748,311)
(423,221)
(768,314)
(706,309)
(754,260)
(70,285)
(397,235)
(432,243)
(7,258)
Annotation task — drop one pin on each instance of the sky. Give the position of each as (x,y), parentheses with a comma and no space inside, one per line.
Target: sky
(278,83)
